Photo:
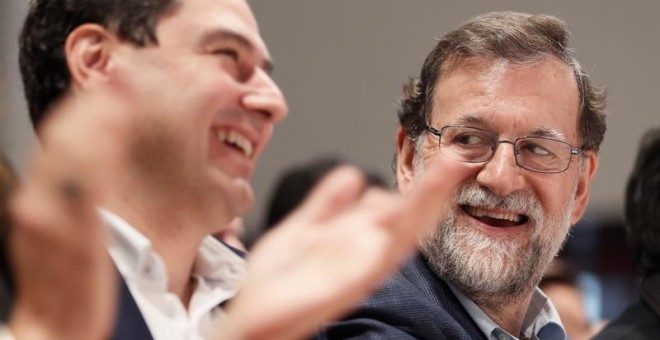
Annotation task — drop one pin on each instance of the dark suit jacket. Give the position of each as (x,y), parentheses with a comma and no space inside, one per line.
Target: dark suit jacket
(6,284)
(641,320)
(129,321)
(414,304)
(5,298)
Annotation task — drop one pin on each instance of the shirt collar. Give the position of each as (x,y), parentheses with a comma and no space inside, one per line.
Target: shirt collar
(134,256)
(220,265)
(541,319)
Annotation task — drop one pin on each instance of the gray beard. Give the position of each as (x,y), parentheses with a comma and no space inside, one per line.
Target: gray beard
(489,270)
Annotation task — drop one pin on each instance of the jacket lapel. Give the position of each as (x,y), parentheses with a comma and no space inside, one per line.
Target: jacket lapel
(130,324)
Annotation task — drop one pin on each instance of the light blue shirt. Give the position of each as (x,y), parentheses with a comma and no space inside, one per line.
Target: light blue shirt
(541,319)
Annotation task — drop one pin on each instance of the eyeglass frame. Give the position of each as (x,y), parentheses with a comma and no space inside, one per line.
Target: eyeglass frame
(498,141)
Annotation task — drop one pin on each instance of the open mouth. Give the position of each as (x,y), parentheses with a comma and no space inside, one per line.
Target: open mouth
(495,219)
(236,141)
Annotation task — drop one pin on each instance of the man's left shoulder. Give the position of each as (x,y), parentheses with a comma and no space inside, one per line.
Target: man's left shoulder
(413,304)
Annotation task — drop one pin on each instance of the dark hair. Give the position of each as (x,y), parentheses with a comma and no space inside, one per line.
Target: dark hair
(642,206)
(517,38)
(48,24)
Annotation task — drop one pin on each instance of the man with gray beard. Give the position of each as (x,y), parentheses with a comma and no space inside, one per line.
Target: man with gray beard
(503,103)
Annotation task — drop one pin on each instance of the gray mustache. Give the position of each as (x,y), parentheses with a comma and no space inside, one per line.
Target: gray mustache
(524,202)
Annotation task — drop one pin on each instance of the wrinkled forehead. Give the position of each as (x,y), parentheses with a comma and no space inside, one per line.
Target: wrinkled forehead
(488,75)
(483,67)
(493,90)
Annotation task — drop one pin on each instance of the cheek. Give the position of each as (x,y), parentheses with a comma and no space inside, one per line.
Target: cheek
(555,194)
(429,152)
(267,133)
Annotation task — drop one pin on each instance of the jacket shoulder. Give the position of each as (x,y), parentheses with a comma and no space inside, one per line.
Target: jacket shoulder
(413,304)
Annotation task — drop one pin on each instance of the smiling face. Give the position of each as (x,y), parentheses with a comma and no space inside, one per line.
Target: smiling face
(505,223)
(205,104)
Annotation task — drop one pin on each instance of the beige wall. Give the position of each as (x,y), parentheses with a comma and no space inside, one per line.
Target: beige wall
(341,64)
(16,135)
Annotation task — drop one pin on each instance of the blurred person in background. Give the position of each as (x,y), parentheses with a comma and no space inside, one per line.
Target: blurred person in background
(560,284)
(295,183)
(641,320)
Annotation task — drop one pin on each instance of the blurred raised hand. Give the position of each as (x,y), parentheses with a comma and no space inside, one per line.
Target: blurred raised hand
(331,252)
(65,282)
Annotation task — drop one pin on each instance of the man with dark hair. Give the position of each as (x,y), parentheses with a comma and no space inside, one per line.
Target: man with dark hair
(503,100)
(46,76)
(641,320)
(194,75)
(156,111)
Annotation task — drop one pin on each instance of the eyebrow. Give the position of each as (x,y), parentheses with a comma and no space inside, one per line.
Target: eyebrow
(548,133)
(227,34)
(472,118)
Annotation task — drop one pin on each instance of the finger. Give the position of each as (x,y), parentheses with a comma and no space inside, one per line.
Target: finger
(43,209)
(342,187)
(421,207)
(377,199)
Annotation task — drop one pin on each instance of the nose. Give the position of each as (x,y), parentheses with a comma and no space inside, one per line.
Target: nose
(264,96)
(501,174)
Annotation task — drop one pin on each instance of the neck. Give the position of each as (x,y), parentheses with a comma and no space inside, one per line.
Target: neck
(174,223)
(179,261)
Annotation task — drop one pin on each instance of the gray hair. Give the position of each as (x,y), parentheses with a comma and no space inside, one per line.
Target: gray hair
(517,38)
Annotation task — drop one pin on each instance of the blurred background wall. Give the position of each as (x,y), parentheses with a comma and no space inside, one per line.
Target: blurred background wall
(16,136)
(341,64)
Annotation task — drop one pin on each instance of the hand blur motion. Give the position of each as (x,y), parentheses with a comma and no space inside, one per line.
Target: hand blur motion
(65,282)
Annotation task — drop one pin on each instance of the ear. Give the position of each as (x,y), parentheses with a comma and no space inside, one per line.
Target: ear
(583,189)
(88,49)
(405,156)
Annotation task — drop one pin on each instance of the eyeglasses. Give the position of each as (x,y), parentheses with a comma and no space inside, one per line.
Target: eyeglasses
(474,145)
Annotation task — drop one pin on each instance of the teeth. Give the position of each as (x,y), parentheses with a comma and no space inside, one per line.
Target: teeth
(236,139)
(477,212)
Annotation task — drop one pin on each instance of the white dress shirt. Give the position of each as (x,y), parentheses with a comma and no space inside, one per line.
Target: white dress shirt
(218,273)
(541,319)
